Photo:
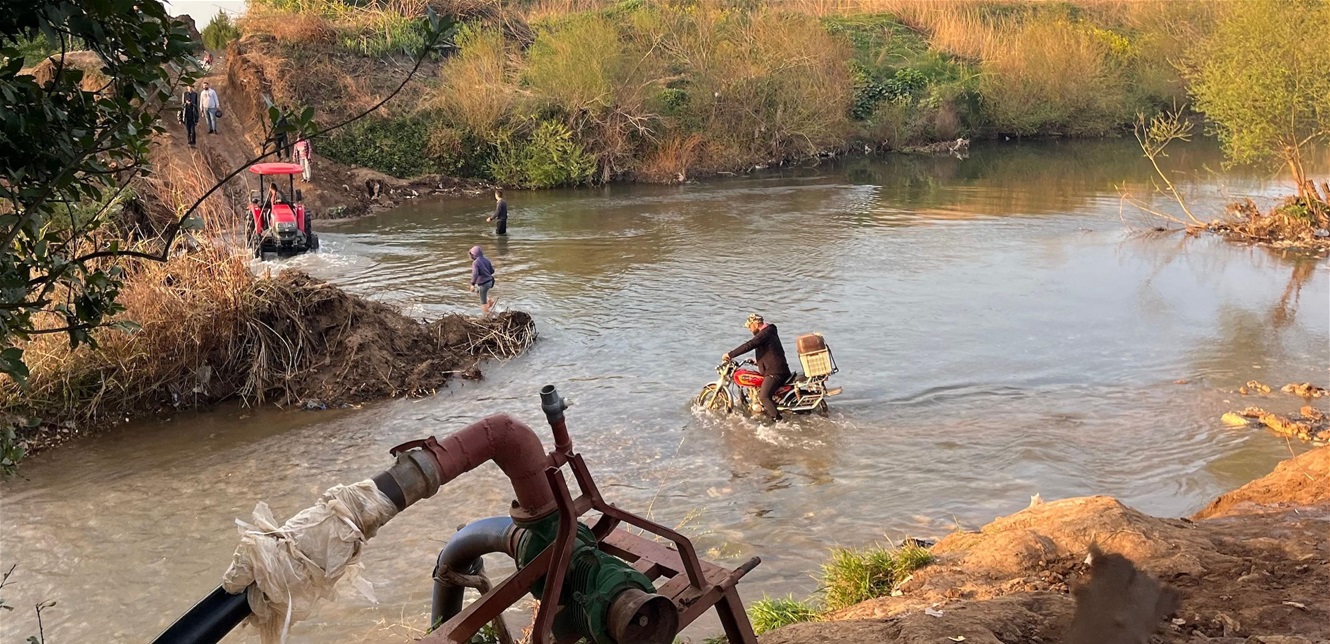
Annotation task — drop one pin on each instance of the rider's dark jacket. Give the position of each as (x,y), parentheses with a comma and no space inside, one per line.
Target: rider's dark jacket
(770,354)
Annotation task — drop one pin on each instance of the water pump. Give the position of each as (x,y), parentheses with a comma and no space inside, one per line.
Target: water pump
(598,582)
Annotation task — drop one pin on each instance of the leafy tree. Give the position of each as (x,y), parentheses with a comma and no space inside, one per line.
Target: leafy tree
(1263,80)
(220,31)
(65,143)
(72,141)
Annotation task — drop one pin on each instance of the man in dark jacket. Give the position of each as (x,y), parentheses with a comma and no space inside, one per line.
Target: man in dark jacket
(770,360)
(500,216)
(482,278)
(189,112)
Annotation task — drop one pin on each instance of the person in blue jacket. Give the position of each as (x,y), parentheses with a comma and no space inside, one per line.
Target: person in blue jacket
(482,278)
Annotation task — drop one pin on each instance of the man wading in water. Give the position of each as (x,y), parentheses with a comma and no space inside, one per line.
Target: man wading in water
(770,360)
(500,213)
(482,278)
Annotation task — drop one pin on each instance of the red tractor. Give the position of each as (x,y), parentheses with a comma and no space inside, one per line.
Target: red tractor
(280,224)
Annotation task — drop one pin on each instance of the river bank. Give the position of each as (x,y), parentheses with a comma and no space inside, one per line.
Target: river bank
(1252,566)
(594,92)
(288,340)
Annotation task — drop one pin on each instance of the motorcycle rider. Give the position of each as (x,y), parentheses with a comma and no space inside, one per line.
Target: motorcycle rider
(770,361)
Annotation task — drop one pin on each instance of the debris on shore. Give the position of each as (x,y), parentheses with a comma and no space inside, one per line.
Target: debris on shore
(290,339)
(1309,424)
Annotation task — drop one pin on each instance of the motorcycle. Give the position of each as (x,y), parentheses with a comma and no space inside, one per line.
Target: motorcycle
(800,395)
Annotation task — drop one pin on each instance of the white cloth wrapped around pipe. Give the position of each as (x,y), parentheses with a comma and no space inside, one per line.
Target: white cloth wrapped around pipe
(289,568)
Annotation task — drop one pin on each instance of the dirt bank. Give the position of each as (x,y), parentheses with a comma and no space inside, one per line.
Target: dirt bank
(245,78)
(290,339)
(340,85)
(1252,567)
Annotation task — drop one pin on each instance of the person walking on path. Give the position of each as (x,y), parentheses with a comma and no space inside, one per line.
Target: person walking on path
(500,216)
(482,278)
(303,152)
(189,112)
(211,106)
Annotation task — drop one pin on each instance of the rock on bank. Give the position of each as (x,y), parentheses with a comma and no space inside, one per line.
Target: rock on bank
(1252,568)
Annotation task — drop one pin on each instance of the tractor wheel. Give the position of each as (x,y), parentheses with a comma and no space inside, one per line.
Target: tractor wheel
(714,398)
(822,407)
(313,242)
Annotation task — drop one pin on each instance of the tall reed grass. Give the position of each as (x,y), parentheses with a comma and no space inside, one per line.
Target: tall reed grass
(747,83)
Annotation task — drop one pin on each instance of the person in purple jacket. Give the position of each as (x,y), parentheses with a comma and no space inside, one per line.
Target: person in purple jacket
(482,278)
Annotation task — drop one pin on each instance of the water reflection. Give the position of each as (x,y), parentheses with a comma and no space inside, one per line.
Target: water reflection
(999,334)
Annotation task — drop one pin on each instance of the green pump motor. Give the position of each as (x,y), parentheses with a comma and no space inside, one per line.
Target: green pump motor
(607,601)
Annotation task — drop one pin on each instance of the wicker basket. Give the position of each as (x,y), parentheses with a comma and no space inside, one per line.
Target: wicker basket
(818,363)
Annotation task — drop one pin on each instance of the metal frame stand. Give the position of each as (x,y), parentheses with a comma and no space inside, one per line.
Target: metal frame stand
(693,585)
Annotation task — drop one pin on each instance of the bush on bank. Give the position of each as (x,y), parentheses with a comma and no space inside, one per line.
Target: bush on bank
(659,91)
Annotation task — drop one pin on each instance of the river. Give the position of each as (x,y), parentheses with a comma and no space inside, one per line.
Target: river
(1000,333)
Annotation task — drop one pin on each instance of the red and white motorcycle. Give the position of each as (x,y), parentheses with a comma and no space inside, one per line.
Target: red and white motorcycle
(740,381)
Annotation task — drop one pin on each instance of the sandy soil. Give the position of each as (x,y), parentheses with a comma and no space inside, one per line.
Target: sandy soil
(1252,567)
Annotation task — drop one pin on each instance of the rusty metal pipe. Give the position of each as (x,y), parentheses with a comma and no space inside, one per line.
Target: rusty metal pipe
(417,475)
(553,405)
(512,445)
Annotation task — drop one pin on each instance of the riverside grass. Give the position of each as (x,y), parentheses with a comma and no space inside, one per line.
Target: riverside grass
(849,576)
(664,91)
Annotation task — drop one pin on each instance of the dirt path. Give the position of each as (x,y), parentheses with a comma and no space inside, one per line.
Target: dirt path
(335,190)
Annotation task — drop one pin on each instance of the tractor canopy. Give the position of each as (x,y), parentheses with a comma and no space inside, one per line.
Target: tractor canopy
(265,169)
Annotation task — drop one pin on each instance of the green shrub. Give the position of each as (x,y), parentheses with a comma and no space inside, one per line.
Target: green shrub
(220,32)
(388,35)
(673,100)
(458,153)
(853,576)
(771,613)
(391,146)
(549,158)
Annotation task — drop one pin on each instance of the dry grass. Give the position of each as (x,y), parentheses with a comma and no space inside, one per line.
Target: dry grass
(670,161)
(289,28)
(764,85)
(1055,77)
(479,90)
(184,306)
(190,311)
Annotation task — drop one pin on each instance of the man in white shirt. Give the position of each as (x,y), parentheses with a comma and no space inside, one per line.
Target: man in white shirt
(210,105)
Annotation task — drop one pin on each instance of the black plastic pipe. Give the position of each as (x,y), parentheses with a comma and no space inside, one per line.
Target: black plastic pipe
(463,554)
(209,620)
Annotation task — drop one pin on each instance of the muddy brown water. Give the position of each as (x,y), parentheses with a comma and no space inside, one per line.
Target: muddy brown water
(998,330)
